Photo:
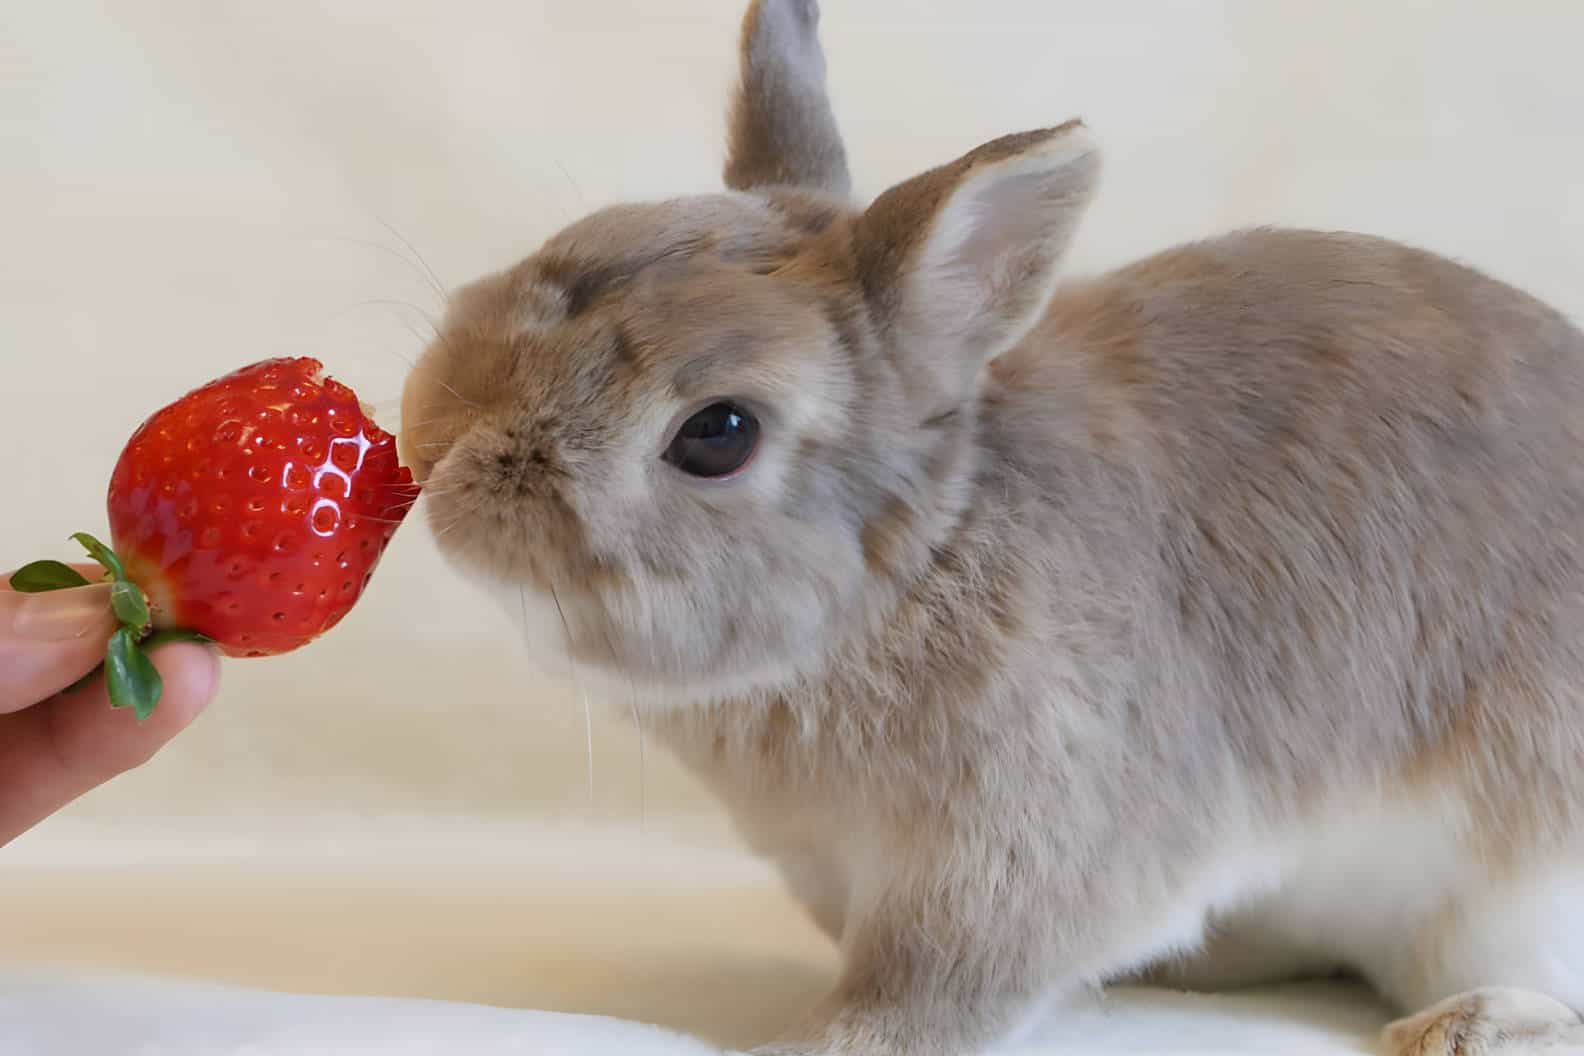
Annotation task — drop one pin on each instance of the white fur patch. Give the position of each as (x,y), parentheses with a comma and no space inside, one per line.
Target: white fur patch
(1392,889)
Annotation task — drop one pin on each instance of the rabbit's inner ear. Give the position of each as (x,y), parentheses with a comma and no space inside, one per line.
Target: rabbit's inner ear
(781,127)
(961,261)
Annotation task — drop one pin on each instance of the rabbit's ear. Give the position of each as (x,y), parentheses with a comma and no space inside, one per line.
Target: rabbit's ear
(782,131)
(961,262)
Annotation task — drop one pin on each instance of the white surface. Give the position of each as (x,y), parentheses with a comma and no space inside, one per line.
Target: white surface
(48,1017)
(644,927)
(191,185)
(41,1016)
(651,926)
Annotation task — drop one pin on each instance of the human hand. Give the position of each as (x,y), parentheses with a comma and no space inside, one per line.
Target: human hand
(56,742)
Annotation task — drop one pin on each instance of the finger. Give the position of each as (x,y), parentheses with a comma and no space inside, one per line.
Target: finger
(48,641)
(55,752)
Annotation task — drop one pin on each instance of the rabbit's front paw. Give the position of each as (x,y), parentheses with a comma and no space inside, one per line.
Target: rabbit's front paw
(1489,1022)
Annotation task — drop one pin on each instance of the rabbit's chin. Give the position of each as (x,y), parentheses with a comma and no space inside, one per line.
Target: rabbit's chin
(542,623)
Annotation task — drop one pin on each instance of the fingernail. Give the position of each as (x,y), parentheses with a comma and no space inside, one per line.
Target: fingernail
(61,615)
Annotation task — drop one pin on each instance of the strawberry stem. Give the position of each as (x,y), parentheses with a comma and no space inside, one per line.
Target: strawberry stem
(131,680)
(129,606)
(102,554)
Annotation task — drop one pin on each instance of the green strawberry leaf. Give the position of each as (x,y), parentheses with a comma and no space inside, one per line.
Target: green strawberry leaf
(41,576)
(130,608)
(130,676)
(102,554)
(173,634)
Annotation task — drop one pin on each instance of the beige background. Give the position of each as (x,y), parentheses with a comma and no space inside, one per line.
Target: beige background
(189,185)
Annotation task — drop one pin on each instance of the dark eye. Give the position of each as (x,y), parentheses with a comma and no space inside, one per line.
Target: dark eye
(715,442)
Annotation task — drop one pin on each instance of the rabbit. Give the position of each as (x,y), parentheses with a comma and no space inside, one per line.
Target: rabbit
(1213,621)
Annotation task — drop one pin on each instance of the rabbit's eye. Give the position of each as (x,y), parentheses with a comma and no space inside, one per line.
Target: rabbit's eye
(716,442)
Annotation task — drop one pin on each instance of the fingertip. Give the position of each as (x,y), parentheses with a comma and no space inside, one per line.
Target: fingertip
(49,641)
(191,674)
(55,751)
(97,741)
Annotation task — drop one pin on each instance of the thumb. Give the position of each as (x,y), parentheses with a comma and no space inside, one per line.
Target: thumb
(48,641)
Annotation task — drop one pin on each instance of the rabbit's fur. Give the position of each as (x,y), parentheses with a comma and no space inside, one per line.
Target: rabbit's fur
(1220,618)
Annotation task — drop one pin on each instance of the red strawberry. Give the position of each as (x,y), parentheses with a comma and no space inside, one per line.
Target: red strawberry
(250,512)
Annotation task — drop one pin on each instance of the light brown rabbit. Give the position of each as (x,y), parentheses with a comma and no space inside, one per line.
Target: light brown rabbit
(1220,619)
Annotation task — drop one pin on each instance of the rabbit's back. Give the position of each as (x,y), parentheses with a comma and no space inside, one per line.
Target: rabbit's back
(1358,483)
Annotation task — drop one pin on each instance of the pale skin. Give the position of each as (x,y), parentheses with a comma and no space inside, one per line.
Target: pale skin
(58,742)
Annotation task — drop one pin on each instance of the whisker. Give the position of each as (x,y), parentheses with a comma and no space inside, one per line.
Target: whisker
(439,287)
(442,494)
(400,513)
(439,336)
(369,243)
(582,202)
(391,302)
(456,521)
(643,764)
(442,337)
(588,737)
(444,342)
(417,334)
(380,302)
(465,401)
(388,302)
(426,421)
(435,491)
(588,715)
(413,363)
(643,755)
